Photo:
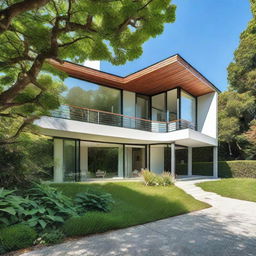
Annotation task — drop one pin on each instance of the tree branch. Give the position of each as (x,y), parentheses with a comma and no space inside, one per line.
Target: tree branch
(14,10)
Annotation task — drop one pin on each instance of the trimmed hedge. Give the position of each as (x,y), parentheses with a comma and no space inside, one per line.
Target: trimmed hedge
(237,169)
(17,237)
(227,169)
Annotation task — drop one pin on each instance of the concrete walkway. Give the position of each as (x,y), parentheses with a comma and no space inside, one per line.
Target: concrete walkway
(227,228)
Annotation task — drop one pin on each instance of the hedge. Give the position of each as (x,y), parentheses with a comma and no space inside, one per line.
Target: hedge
(16,237)
(227,169)
(237,169)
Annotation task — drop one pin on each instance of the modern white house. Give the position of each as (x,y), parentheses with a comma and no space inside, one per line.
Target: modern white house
(112,126)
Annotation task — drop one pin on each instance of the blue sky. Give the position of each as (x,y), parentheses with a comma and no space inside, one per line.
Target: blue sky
(205,33)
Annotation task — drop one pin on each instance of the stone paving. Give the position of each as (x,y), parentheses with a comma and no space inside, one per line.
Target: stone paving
(227,228)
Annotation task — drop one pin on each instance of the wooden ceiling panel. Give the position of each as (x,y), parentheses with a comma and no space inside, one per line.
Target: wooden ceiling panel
(162,76)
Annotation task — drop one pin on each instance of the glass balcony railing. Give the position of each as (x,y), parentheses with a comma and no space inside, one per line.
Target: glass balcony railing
(107,118)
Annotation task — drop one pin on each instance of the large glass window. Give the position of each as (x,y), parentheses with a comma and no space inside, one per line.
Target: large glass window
(142,106)
(85,94)
(202,161)
(172,105)
(159,107)
(188,107)
(71,160)
(102,161)
(142,111)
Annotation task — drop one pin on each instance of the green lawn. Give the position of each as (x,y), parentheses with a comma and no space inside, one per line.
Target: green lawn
(135,204)
(239,188)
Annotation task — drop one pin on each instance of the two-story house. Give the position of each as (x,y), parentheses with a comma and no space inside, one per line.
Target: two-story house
(115,126)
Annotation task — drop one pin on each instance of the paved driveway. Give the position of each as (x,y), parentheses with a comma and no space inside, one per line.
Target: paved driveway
(227,228)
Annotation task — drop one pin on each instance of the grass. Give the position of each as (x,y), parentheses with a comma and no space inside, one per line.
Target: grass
(238,188)
(135,204)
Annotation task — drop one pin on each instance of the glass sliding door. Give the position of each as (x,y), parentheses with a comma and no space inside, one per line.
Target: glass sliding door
(71,165)
(135,160)
(181,160)
(101,160)
(188,107)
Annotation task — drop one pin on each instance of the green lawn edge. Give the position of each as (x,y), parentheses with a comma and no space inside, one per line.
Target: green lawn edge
(136,204)
(236,188)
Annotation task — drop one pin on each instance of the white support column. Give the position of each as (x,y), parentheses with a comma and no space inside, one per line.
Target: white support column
(215,162)
(58,160)
(173,159)
(83,160)
(189,161)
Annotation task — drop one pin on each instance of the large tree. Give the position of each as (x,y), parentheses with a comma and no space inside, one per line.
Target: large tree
(237,106)
(34,31)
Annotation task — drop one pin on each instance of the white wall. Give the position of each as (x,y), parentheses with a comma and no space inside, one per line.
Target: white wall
(207,114)
(157,159)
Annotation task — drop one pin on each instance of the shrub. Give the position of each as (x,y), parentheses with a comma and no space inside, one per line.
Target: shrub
(227,169)
(42,207)
(53,207)
(149,177)
(20,164)
(51,236)
(153,179)
(12,207)
(93,200)
(237,169)
(90,223)
(17,237)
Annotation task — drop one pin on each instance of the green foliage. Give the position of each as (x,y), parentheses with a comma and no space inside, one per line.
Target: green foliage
(20,163)
(112,31)
(135,204)
(153,179)
(41,207)
(51,236)
(12,207)
(17,237)
(239,188)
(227,169)
(237,105)
(90,223)
(242,72)
(93,200)
(236,169)
(53,207)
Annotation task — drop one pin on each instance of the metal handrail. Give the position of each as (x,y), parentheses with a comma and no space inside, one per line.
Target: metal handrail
(114,119)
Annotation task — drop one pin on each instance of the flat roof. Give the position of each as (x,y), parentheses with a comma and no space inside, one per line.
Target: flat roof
(164,75)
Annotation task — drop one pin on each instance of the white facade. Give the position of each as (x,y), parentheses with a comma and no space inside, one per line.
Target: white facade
(164,141)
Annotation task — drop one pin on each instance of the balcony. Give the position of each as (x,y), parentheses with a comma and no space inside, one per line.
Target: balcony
(112,119)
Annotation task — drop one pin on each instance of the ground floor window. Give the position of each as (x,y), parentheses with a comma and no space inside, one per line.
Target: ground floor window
(135,160)
(202,161)
(71,160)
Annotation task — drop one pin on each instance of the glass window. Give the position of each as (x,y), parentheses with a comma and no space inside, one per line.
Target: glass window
(188,107)
(181,158)
(102,162)
(202,161)
(142,106)
(89,95)
(159,107)
(172,105)
(70,159)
